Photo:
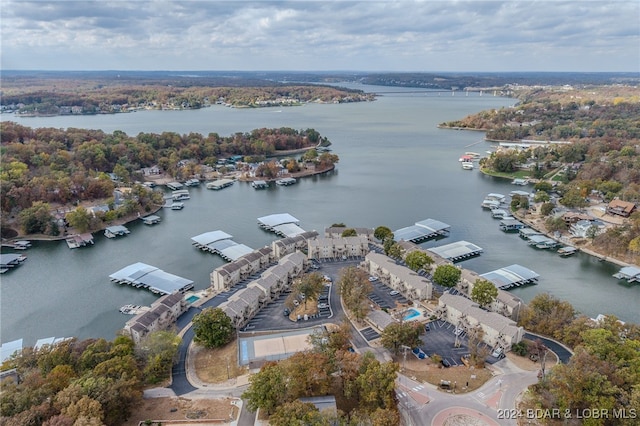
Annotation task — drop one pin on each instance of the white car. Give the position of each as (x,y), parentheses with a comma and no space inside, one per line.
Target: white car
(372,279)
(458,331)
(323,305)
(394,292)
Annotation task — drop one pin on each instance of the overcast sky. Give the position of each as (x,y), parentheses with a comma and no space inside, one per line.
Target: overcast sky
(465,36)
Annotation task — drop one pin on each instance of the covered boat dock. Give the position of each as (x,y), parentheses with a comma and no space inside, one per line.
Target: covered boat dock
(79,240)
(629,273)
(458,251)
(220,243)
(282,224)
(542,242)
(510,225)
(116,231)
(141,275)
(219,184)
(511,276)
(527,232)
(10,260)
(151,219)
(423,230)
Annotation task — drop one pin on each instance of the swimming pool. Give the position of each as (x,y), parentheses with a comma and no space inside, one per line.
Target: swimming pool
(192,298)
(411,313)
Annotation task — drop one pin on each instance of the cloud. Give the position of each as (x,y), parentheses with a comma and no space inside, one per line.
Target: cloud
(307,35)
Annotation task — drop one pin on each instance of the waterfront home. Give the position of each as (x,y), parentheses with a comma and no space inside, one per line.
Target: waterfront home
(289,245)
(336,248)
(398,277)
(498,330)
(620,208)
(161,316)
(586,228)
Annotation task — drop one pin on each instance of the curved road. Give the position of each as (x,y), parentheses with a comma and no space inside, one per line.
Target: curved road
(563,353)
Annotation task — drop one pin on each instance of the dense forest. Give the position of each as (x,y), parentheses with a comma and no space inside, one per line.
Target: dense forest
(90,382)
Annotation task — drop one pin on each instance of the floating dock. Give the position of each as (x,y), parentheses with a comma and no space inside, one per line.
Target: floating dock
(79,240)
(282,224)
(10,260)
(567,251)
(151,219)
(141,275)
(629,273)
(511,276)
(521,182)
(260,184)
(180,194)
(458,251)
(175,186)
(542,242)
(286,181)
(221,243)
(220,184)
(423,230)
(18,245)
(192,182)
(527,233)
(511,225)
(116,231)
(178,205)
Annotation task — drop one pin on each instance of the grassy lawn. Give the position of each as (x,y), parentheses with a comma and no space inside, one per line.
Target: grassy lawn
(520,174)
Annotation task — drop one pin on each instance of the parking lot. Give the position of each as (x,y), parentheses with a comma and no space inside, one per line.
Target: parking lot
(441,339)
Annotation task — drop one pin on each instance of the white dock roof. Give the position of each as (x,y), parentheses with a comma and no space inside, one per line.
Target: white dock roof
(457,250)
(288,229)
(151,277)
(510,276)
(277,219)
(211,237)
(421,230)
(9,348)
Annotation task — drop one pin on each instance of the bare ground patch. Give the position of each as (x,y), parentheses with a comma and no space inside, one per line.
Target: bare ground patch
(464,378)
(217,365)
(167,409)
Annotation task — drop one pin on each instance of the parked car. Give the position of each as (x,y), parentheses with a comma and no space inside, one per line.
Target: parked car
(427,327)
(372,279)
(445,363)
(458,331)
(286,312)
(323,305)
(394,292)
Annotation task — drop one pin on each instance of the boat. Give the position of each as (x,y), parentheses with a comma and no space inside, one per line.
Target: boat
(466,159)
(567,251)
(177,206)
(259,184)
(116,231)
(127,309)
(467,165)
(473,155)
(151,220)
(521,182)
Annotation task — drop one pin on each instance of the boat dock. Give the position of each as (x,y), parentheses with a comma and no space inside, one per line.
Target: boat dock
(10,260)
(542,242)
(286,181)
(79,240)
(220,184)
(178,205)
(221,243)
(511,276)
(18,245)
(629,273)
(151,219)
(192,182)
(423,230)
(116,231)
(260,184)
(521,182)
(282,224)
(174,186)
(133,309)
(510,225)
(458,251)
(527,232)
(567,251)
(141,275)
(180,194)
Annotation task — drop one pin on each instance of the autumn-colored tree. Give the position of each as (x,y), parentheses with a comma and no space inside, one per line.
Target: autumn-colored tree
(545,314)
(354,286)
(296,413)
(396,335)
(267,388)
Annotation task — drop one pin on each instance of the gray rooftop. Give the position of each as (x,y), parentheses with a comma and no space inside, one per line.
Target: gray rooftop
(210,237)
(277,219)
(153,278)
(457,250)
(510,276)
(421,230)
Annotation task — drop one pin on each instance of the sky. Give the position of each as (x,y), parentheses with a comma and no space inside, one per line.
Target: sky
(330,35)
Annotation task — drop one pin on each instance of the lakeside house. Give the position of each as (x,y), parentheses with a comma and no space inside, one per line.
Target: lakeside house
(620,208)
(337,247)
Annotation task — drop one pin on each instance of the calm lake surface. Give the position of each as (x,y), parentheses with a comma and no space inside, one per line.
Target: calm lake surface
(396,168)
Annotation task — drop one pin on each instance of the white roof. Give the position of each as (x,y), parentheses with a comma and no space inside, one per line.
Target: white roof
(289,229)
(210,237)
(277,219)
(9,348)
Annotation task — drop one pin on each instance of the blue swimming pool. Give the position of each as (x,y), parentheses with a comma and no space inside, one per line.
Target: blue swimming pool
(192,299)
(411,313)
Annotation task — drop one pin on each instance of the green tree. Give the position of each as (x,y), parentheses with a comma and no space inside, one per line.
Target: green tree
(541,197)
(546,209)
(418,259)
(447,275)
(543,186)
(79,219)
(397,334)
(383,233)
(393,249)
(36,219)
(267,388)
(159,349)
(212,328)
(545,314)
(484,292)
(382,395)
(349,232)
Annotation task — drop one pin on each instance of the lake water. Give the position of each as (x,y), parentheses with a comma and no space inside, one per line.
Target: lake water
(396,168)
